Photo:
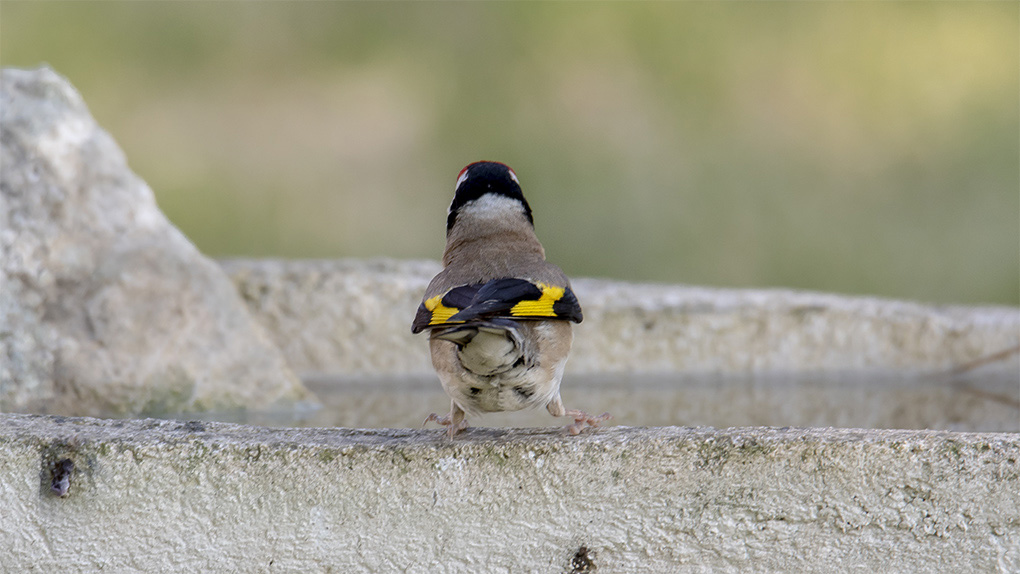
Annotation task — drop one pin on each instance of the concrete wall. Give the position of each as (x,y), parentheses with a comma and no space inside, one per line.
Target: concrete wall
(354,317)
(158,496)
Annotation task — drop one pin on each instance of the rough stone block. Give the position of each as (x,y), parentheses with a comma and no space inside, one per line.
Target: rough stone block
(105,307)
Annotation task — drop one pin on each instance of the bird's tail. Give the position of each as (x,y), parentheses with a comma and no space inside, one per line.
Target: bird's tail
(464,334)
(487,347)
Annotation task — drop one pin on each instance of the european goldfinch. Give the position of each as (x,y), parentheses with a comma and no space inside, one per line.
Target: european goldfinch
(498,313)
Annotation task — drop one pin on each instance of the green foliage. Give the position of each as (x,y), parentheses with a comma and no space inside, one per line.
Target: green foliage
(851,147)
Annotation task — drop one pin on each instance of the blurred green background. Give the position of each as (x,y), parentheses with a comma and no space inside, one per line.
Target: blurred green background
(868,148)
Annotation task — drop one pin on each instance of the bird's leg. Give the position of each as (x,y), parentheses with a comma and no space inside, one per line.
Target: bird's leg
(454,421)
(581,418)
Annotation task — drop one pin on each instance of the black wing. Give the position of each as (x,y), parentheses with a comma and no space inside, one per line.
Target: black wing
(437,310)
(510,298)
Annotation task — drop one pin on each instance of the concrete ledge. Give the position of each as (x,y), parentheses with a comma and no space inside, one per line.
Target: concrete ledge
(353,317)
(200,497)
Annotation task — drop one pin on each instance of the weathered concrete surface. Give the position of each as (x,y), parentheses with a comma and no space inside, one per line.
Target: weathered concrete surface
(161,496)
(104,305)
(345,315)
(353,317)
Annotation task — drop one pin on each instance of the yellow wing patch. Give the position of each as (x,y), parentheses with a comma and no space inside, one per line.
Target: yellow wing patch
(541,307)
(509,298)
(440,313)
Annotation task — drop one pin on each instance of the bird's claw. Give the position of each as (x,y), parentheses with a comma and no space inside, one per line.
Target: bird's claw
(434,418)
(447,421)
(583,419)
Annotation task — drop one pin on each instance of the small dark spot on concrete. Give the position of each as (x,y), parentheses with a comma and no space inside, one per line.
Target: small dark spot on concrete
(194,426)
(583,561)
(61,474)
(475,391)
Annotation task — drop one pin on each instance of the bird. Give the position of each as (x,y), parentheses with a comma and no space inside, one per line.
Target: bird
(498,314)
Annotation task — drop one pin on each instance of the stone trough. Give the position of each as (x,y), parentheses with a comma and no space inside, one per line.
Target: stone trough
(724,455)
(654,355)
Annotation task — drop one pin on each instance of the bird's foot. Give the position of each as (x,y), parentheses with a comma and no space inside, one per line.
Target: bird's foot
(583,419)
(452,427)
